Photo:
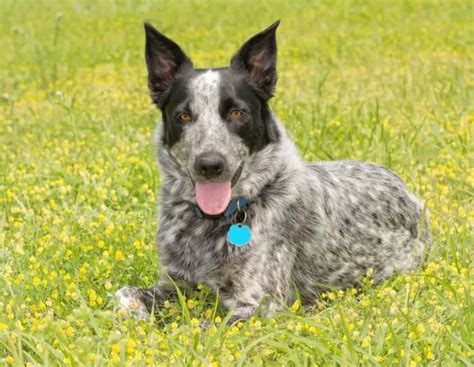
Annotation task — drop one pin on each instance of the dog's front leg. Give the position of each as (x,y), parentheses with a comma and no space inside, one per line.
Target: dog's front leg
(242,313)
(257,301)
(263,283)
(142,302)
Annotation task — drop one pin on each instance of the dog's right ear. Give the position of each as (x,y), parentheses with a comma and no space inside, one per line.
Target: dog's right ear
(258,57)
(164,60)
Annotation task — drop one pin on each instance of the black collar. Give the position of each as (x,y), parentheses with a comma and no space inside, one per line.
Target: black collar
(236,204)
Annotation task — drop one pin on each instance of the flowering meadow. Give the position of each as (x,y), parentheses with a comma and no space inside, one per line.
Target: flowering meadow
(385,81)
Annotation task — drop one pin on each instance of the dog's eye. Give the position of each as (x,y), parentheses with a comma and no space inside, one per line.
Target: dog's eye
(236,114)
(184,117)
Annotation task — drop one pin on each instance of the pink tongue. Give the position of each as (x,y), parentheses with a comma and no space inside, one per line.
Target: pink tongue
(213,197)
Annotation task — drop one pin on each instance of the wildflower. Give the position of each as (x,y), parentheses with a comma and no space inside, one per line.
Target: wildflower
(115,352)
(420,328)
(69,331)
(119,255)
(191,304)
(194,322)
(131,346)
(295,306)
(366,342)
(92,297)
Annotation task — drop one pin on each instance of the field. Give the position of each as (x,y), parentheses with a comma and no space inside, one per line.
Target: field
(384,81)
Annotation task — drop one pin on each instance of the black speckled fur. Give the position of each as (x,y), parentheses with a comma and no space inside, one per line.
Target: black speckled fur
(315,226)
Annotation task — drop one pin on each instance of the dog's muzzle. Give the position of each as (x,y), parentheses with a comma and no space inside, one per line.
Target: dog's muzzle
(210,166)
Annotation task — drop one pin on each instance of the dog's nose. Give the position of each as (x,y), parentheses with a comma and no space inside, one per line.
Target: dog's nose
(210,165)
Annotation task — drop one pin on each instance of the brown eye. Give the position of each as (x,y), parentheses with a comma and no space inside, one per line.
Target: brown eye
(236,114)
(184,117)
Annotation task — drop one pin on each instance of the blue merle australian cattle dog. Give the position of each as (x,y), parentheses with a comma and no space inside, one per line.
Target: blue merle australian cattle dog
(241,211)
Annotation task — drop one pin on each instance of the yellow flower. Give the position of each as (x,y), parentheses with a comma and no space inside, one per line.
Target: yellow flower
(429,355)
(92,297)
(69,331)
(131,345)
(119,255)
(191,304)
(366,342)
(295,306)
(115,352)
(109,229)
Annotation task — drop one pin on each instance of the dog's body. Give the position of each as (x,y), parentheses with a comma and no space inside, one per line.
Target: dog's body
(313,226)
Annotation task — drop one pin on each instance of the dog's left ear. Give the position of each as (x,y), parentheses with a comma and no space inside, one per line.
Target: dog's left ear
(165,60)
(258,58)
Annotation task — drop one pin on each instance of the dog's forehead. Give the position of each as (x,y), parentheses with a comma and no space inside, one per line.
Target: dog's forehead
(205,90)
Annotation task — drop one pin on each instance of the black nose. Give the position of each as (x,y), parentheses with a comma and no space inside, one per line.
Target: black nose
(209,165)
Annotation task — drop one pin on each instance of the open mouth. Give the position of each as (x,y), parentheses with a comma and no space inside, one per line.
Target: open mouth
(213,197)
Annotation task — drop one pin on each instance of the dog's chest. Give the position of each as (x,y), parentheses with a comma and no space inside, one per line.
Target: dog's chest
(195,250)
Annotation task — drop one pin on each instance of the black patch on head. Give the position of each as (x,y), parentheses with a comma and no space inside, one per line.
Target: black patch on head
(256,127)
(177,100)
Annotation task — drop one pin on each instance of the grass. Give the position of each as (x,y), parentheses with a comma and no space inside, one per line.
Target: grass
(384,81)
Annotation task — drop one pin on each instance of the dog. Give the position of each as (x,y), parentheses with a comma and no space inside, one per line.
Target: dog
(241,212)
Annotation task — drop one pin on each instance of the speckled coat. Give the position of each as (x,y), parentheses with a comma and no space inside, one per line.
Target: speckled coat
(315,226)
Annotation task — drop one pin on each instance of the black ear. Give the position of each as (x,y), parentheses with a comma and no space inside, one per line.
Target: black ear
(258,58)
(164,60)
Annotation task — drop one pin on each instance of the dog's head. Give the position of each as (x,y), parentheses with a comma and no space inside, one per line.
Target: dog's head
(213,119)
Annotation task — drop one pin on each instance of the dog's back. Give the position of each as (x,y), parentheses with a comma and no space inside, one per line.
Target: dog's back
(368,219)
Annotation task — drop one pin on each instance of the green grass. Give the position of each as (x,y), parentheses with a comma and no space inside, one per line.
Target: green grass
(384,81)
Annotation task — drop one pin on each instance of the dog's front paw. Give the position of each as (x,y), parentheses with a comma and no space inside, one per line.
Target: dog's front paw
(130,303)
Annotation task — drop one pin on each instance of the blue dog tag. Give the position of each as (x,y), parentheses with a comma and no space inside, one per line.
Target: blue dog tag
(239,234)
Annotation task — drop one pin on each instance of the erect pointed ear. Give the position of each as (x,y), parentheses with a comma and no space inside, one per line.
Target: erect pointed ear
(164,60)
(258,58)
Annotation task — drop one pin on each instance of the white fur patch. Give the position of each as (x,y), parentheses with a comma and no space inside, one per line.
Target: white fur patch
(205,103)
(129,303)
(205,92)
